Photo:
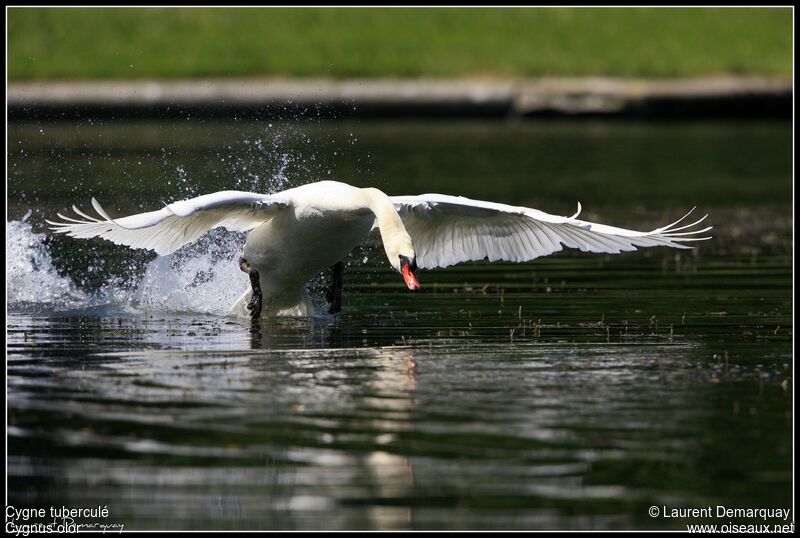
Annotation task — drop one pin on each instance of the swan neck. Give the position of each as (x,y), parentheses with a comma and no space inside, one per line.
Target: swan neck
(396,240)
(385,213)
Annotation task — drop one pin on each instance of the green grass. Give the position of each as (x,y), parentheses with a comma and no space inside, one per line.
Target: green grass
(114,43)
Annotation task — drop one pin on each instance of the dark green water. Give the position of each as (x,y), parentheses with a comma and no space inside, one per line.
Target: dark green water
(574,391)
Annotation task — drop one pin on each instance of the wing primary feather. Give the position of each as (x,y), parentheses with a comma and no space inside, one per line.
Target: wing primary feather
(100,210)
(668,226)
(677,235)
(84,215)
(74,220)
(604,242)
(546,233)
(522,252)
(527,240)
(695,223)
(578,212)
(581,242)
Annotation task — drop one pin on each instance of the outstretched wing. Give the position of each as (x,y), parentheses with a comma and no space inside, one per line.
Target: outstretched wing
(177,224)
(446,230)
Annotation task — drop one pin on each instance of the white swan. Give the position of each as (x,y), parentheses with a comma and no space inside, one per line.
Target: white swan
(301,231)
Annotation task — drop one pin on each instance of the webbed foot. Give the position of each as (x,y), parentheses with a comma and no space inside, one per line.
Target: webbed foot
(334,293)
(255,304)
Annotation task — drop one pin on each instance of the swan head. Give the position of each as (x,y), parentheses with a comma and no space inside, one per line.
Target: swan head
(408,268)
(403,258)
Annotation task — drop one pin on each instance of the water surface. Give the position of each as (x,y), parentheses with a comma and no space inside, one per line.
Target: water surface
(574,391)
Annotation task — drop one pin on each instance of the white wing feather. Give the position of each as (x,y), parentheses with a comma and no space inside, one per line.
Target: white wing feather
(446,230)
(177,224)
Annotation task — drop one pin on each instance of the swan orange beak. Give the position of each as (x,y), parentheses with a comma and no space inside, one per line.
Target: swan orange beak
(410,278)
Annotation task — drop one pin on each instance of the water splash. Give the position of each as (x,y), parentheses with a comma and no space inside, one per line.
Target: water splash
(31,278)
(203,277)
(199,278)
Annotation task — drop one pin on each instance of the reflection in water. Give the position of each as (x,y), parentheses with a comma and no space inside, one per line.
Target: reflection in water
(270,410)
(297,433)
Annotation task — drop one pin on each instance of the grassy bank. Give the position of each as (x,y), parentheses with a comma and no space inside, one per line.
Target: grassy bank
(78,43)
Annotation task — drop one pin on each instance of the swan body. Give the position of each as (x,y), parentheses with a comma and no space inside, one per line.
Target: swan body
(295,245)
(297,233)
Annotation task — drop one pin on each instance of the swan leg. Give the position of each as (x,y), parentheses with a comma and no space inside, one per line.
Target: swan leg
(334,293)
(254,306)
